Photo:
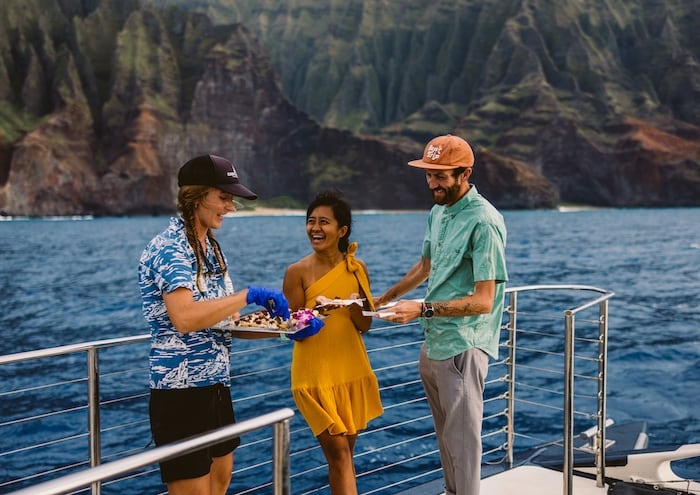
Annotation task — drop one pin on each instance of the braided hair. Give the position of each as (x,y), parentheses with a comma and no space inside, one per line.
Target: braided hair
(188,197)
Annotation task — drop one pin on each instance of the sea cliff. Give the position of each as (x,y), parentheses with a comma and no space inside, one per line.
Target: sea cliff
(102,100)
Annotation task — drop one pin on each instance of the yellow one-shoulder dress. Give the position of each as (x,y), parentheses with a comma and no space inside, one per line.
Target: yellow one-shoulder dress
(333,384)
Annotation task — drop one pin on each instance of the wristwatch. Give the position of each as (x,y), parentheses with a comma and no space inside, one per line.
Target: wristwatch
(428,311)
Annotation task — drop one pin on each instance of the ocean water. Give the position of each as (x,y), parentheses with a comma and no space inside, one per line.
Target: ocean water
(64,281)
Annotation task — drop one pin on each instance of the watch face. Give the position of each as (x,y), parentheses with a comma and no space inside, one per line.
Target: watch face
(429,312)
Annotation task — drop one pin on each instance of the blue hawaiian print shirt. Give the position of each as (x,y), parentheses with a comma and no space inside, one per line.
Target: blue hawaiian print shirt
(177,360)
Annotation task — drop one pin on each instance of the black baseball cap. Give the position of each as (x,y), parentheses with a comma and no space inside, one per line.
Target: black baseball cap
(214,171)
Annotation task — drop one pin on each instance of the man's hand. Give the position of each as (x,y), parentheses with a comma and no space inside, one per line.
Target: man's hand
(404,311)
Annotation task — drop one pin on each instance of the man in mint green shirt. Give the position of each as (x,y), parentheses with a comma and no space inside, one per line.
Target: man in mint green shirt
(463,260)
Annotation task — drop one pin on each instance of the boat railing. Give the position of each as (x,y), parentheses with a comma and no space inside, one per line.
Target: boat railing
(78,407)
(93,477)
(584,356)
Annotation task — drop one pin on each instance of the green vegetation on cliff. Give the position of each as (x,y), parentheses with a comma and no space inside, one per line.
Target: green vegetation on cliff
(587,100)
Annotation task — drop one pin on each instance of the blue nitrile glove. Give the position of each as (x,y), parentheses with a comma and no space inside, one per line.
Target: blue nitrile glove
(313,328)
(273,300)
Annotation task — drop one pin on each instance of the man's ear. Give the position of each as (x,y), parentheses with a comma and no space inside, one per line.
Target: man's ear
(467,173)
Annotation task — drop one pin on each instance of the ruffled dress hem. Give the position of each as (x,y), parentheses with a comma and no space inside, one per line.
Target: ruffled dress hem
(342,409)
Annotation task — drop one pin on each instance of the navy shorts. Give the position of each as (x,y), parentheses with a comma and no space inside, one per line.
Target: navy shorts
(181,413)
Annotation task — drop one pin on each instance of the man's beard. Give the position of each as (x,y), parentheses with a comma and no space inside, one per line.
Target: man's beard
(451,194)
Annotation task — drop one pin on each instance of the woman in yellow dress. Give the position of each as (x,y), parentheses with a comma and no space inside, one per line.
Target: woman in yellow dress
(333,384)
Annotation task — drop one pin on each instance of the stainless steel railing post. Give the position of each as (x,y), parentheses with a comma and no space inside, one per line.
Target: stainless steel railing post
(568,468)
(280,458)
(94,414)
(602,393)
(510,414)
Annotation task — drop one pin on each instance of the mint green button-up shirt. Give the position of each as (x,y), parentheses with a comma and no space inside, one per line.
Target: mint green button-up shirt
(466,244)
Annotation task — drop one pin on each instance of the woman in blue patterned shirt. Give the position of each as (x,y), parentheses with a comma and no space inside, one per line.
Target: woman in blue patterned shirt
(186,290)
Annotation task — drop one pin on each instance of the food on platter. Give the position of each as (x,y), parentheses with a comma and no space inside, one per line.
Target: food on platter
(300,318)
(263,320)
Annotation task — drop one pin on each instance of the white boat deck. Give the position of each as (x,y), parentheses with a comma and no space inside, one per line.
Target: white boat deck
(522,480)
(535,480)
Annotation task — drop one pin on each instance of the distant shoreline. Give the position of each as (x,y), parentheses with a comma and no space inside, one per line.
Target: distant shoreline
(293,212)
(298,212)
(252,212)
(290,212)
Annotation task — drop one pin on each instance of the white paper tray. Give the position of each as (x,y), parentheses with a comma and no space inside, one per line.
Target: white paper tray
(378,314)
(381,312)
(338,303)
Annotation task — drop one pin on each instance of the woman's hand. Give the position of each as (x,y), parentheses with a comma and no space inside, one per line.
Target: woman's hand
(273,300)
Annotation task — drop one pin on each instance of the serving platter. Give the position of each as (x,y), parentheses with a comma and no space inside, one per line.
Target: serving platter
(331,304)
(262,321)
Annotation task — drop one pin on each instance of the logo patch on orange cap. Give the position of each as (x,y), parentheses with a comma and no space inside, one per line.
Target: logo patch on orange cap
(433,152)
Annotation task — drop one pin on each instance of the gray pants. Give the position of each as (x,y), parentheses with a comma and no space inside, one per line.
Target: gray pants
(455,391)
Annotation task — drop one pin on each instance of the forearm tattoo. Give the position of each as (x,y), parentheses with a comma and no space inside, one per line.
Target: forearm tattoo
(454,309)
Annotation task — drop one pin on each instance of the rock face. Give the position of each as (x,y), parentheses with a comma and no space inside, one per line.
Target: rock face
(103,100)
(602,98)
